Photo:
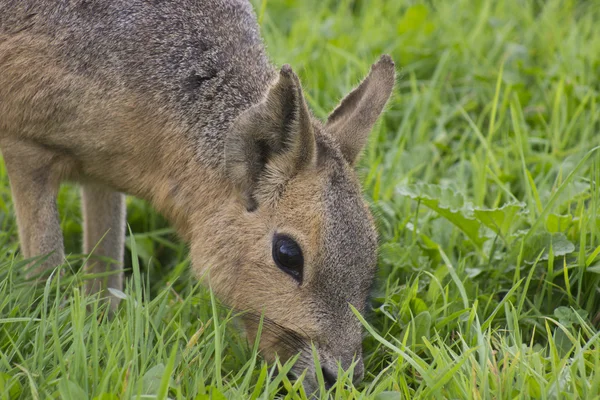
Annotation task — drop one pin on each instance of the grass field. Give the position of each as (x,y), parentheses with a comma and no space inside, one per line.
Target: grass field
(483,179)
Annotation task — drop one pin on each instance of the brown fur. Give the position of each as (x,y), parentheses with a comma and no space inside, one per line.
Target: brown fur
(218,142)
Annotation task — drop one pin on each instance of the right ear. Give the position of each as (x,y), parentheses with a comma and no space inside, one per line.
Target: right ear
(353,119)
(277,128)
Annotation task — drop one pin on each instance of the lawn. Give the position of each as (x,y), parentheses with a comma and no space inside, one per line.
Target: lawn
(483,180)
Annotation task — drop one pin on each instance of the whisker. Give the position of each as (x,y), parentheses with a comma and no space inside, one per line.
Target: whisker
(293,340)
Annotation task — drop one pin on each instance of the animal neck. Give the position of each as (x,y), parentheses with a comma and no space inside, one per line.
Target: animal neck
(176,166)
(188,193)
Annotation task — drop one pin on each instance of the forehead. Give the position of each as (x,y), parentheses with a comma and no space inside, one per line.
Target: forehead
(349,241)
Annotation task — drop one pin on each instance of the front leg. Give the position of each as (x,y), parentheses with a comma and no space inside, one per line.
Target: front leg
(103,237)
(34,172)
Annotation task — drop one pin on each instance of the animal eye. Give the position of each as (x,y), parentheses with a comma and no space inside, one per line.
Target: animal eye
(288,256)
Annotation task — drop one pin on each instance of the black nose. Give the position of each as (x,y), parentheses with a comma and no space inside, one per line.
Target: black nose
(329,377)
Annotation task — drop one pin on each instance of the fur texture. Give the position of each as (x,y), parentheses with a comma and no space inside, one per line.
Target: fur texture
(176,102)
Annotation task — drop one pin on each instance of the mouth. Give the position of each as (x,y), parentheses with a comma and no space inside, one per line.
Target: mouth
(310,382)
(279,342)
(327,376)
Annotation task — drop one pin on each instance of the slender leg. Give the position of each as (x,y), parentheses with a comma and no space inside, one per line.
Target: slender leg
(34,179)
(104,236)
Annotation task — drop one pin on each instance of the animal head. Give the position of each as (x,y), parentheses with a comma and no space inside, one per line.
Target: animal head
(302,241)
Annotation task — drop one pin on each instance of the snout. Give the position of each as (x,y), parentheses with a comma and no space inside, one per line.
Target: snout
(330,373)
(332,369)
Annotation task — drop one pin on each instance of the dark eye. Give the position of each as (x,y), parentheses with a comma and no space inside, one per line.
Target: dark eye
(288,256)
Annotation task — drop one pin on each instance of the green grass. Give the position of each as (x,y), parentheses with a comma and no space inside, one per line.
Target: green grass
(483,179)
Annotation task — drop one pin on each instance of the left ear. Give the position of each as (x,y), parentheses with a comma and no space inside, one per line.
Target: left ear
(276,132)
(353,119)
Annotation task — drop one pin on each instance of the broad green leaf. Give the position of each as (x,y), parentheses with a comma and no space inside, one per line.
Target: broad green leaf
(567,316)
(594,268)
(535,391)
(70,390)
(503,220)
(213,394)
(418,305)
(399,256)
(388,395)
(151,379)
(390,253)
(422,326)
(473,221)
(541,242)
(145,247)
(10,385)
(558,223)
(562,342)
(573,191)
(448,204)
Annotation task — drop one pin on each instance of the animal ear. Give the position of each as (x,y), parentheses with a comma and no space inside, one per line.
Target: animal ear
(353,119)
(276,131)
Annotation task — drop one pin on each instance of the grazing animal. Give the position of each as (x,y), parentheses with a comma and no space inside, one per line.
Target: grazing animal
(176,102)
